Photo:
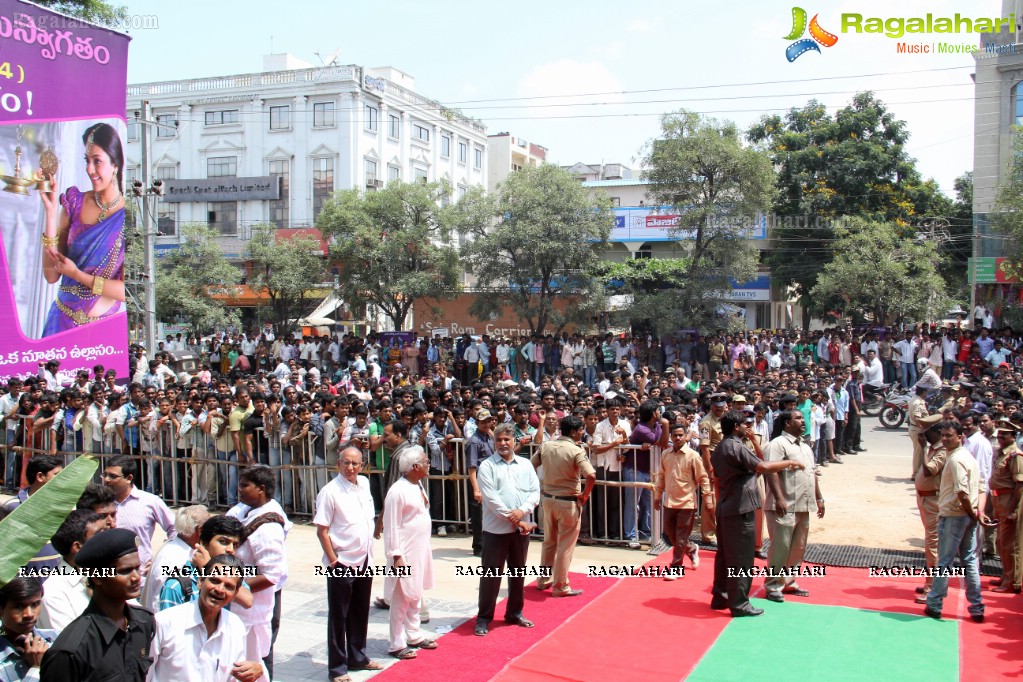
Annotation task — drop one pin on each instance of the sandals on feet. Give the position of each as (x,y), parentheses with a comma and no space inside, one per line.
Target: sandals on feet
(406,654)
(424,644)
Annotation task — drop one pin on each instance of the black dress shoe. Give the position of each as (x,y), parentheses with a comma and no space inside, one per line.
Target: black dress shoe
(719,604)
(977,617)
(481,629)
(748,611)
(921,590)
(936,615)
(776,597)
(760,554)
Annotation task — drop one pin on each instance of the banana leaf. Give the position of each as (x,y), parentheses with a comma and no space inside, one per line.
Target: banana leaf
(24,532)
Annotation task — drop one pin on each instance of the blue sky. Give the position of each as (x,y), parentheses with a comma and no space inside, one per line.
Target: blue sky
(540,58)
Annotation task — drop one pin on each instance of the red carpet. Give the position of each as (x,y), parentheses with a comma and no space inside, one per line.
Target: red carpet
(642,629)
(465,657)
(646,628)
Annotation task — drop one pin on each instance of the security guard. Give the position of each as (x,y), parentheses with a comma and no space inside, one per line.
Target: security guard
(111,639)
(928,481)
(1006,483)
(563,462)
(710,436)
(915,411)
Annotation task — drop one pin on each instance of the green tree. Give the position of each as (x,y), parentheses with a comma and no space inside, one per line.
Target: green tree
(538,257)
(93,11)
(718,188)
(393,244)
(288,270)
(879,271)
(852,164)
(189,277)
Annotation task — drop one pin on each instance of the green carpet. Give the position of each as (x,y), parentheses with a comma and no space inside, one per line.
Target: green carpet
(807,642)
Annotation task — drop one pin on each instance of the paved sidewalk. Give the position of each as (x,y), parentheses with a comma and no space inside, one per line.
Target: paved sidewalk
(301,649)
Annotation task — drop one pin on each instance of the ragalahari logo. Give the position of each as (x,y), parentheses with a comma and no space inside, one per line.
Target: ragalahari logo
(817,35)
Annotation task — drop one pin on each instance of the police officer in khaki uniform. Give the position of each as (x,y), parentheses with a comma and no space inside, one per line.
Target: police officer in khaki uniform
(928,481)
(563,460)
(915,411)
(1006,483)
(710,436)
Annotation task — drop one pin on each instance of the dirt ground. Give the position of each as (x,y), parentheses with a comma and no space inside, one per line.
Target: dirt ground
(870,498)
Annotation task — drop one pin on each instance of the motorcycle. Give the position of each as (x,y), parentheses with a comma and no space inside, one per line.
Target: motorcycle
(875,398)
(893,413)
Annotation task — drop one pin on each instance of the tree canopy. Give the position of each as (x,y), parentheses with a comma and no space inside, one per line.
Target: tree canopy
(393,245)
(880,270)
(542,249)
(699,169)
(852,164)
(287,270)
(189,277)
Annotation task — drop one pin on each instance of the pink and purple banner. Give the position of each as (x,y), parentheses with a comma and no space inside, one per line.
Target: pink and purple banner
(62,98)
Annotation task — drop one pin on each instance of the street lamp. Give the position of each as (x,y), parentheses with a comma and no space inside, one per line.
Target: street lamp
(143,190)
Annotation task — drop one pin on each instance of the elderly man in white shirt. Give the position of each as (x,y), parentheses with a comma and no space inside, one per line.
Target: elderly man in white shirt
(201,641)
(873,370)
(173,555)
(407,529)
(344,526)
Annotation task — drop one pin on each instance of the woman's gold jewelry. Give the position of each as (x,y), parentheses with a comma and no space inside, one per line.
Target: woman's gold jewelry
(103,208)
(50,241)
(97,284)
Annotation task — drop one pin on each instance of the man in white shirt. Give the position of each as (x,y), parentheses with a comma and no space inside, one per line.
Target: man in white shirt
(344,526)
(905,354)
(268,524)
(201,641)
(873,370)
(607,455)
(65,594)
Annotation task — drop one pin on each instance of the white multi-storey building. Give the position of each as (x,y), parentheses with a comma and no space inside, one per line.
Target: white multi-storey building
(271,147)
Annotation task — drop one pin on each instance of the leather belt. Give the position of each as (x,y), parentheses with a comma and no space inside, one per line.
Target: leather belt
(561,497)
(926,493)
(1001,491)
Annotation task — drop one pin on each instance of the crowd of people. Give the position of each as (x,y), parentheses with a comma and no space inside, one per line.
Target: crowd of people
(730,433)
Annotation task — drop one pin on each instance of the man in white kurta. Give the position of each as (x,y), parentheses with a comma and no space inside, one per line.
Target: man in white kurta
(407,528)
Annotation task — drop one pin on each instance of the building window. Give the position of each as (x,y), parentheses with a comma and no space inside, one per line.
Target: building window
(463,152)
(166,125)
(216,118)
(222,216)
(280,117)
(445,146)
(133,130)
(323,115)
(616,201)
(1017,104)
(420,132)
(420,174)
(372,117)
(371,173)
(221,166)
(323,183)
(393,127)
(131,174)
(462,189)
(644,253)
(393,173)
(477,160)
(279,208)
(167,212)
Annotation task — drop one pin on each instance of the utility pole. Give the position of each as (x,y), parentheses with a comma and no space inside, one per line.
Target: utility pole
(149,266)
(974,243)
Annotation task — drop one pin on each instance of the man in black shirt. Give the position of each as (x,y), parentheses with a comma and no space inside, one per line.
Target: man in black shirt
(735,466)
(257,445)
(111,639)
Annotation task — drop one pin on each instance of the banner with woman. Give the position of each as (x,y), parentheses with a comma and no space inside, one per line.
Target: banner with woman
(62,206)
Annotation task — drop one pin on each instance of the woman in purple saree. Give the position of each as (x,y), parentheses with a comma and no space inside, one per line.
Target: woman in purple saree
(83,244)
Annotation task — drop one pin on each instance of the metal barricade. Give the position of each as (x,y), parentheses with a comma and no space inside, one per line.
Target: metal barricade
(449,490)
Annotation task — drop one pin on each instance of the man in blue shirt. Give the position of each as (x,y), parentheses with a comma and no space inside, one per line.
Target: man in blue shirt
(510,490)
(840,399)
